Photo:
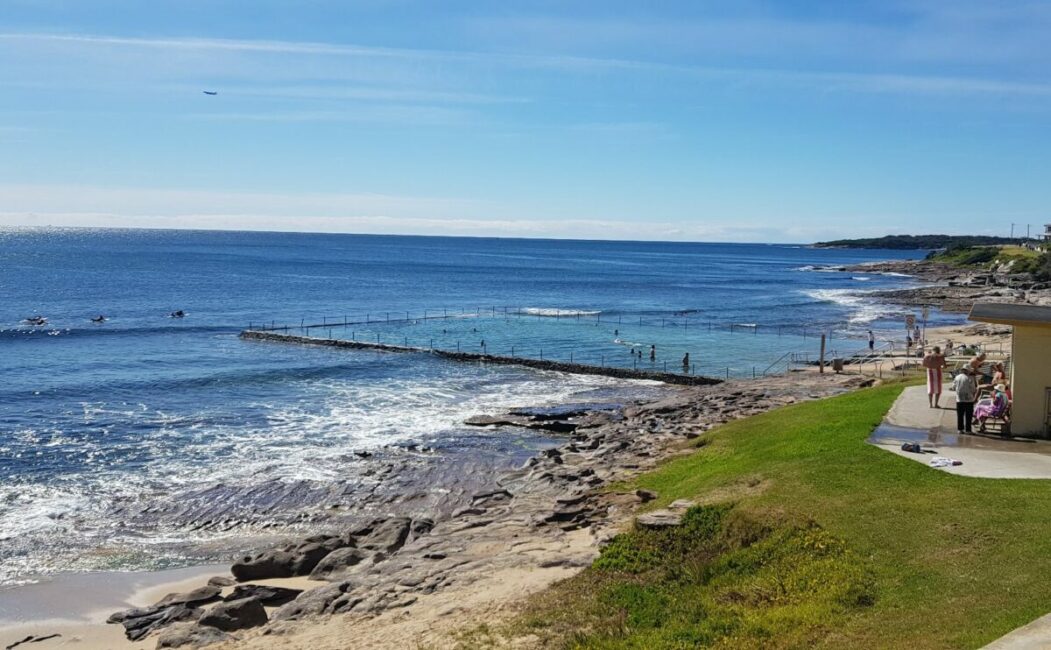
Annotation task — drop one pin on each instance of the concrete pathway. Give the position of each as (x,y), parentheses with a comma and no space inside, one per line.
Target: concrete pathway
(987,455)
(1034,636)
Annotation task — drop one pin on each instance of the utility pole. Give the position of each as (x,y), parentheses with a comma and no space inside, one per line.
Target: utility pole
(1012,231)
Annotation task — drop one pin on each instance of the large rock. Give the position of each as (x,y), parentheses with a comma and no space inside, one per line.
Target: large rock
(660,519)
(329,599)
(386,535)
(199,596)
(141,622)
(190,635)
(272,596)
(337,562)
(493,421)
(669,517)
(307,557)
(556,426)
(235,615)
(269,564)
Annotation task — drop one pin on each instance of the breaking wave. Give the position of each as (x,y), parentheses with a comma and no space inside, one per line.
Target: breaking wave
(863,309)
(560,313)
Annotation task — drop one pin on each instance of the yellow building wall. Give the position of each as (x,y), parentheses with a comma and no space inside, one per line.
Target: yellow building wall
(1031,378)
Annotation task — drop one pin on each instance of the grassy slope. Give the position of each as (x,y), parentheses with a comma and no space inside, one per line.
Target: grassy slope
(986,257)
(956,561)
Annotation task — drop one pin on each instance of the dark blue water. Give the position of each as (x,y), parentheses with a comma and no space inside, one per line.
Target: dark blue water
(146,409)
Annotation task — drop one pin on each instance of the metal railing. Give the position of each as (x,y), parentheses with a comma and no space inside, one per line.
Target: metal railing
(689,322)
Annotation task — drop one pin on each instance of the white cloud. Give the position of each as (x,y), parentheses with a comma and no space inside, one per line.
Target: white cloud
(84,206)
(440,75)
(109,207)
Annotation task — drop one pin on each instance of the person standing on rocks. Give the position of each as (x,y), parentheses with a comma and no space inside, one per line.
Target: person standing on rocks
(934,362)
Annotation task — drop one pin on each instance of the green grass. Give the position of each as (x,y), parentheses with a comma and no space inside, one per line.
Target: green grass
(812,538)
(989,257)
(981,256)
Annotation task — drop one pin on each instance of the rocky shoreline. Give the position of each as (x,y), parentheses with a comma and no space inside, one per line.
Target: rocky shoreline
(541,522)
(954,289)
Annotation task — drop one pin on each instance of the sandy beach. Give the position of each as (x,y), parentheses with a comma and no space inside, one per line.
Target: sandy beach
(75,606)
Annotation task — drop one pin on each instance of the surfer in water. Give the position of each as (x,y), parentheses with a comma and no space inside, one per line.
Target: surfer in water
(99,319)
(177,314)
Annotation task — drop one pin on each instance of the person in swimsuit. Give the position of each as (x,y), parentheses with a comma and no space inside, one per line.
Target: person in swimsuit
(934,362)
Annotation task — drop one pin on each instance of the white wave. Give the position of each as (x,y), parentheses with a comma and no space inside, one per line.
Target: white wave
(309,440)
(895,274)
(860,278)
(560,313)
(817,268)
(864,309)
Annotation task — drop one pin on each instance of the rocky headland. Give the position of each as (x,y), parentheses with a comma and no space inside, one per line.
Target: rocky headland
(955,289)
(406,579)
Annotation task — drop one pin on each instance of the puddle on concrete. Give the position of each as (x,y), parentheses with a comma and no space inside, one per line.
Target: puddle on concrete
(888,434)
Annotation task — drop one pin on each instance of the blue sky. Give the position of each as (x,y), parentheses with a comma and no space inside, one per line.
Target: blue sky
(712,121)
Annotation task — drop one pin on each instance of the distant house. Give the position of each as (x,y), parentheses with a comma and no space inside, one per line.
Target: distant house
(1030,363)
(1047,232)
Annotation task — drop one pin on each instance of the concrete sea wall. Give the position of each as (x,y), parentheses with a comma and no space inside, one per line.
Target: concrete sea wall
(541,364)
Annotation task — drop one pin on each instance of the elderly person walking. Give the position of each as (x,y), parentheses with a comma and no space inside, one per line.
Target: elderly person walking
(966,392)
(934,362)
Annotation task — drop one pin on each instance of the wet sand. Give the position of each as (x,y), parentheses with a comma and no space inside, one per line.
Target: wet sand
(76,606)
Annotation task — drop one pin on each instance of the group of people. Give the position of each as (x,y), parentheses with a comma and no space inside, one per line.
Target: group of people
(970,382)
(914,338)
(638,352)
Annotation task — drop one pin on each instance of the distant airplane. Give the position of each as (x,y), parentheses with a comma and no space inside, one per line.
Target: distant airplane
(211,92)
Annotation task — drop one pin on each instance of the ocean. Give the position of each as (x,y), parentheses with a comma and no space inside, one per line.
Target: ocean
(148,441)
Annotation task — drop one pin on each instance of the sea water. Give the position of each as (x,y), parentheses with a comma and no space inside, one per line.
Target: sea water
(118,441)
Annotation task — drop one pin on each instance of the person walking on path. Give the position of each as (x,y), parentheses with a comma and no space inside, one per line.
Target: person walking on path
(966,392)
(934,362)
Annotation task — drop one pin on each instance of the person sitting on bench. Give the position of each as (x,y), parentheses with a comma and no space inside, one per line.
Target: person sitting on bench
(994,407)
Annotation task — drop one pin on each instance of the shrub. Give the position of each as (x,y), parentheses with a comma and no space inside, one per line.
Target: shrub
(724,578)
